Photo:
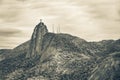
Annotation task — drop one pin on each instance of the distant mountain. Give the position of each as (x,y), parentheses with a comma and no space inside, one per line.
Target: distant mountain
(50,56)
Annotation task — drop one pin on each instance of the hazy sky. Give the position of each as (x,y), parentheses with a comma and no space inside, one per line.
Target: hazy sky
(92,20)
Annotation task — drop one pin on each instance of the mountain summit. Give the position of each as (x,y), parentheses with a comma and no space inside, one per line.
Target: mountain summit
(50,56)
(36,40)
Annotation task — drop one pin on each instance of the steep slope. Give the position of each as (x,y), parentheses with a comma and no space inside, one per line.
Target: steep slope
(36,40)
(108,69)
(4,53)
(50,56)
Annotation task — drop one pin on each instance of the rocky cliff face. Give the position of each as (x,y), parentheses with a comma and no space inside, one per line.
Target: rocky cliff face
(36,40)
(50,56)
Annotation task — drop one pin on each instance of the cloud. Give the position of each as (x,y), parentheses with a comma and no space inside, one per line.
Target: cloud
(9,32)
(8,37)
(21,0)
(11,17)
(11,38)
(10,11)
(88,19)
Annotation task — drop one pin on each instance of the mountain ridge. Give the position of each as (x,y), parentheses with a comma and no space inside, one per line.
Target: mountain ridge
(50,56)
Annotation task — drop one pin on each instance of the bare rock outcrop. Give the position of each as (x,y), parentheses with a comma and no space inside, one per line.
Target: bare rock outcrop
(36,40)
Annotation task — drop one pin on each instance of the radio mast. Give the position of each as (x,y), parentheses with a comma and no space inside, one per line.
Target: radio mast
(53,28)
(58,28)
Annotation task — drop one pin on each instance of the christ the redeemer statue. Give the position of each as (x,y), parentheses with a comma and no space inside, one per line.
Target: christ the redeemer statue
(40,20)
